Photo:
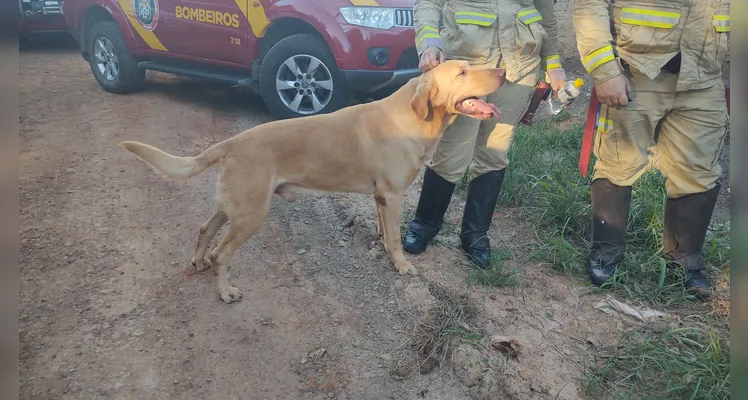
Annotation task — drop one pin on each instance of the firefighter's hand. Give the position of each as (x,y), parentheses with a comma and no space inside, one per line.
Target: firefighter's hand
(430,58)
(615,92)
(557,78)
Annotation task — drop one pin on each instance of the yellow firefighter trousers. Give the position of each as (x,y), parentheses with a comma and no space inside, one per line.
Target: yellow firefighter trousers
(687,130)
(486,143)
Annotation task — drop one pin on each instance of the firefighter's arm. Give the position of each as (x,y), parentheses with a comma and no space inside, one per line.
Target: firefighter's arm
(592,21)
(549,48)
(426,17)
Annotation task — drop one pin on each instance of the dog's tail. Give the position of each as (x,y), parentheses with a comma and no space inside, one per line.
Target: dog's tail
(174,167)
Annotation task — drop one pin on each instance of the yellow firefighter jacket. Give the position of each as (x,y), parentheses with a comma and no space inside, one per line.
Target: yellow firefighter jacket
(521,33)
(647,34)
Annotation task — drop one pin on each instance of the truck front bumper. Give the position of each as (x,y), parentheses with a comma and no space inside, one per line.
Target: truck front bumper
(371,81)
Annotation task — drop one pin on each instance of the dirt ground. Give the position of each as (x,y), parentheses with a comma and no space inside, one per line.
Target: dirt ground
(111,308)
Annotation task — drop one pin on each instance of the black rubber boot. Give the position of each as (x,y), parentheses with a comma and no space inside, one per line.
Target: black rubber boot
(436,194)
(686,222)
(483,193)
(610,213)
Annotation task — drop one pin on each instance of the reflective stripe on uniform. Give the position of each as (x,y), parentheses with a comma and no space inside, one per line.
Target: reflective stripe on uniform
(604,125)
(598,58)
(721,23)
(428,32)
(529,15)
(474,18)
(552,62)
(653,18)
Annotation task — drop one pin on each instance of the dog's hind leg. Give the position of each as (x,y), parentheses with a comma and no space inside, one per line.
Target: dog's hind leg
(240,230)
(207,233)
(243,224)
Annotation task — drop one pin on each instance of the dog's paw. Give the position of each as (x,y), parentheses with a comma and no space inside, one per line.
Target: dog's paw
(406,268)
(230,295)
(202,267)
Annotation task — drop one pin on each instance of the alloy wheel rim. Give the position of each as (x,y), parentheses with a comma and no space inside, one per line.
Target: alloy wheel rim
(106,58)
(304,84)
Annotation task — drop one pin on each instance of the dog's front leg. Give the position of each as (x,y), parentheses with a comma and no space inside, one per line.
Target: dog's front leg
(380,226)
(390,206)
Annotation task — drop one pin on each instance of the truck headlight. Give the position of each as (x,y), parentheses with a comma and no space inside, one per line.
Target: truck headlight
(372,17)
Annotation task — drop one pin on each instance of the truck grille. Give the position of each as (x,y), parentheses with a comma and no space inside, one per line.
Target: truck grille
(404,17)
(45,7)
(53,7)
(408,60)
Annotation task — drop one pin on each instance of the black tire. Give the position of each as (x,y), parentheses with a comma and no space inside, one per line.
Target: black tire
(301,45)
(130,77)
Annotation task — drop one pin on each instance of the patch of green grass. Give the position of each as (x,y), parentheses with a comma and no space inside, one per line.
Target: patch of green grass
(717,246)
(675,362)
(498,274)
(645,276)
(560,254)
(544,182)
(563,116)
(689,361)
(562,206)
(647,213)
(462,185)
(407,216)
(644,273)
(541,155)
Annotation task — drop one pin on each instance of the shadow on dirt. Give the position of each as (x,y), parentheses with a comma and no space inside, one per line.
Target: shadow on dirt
(53,42)
(183,90)
(207,94)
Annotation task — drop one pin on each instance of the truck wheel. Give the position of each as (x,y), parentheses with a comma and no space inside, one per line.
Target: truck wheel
(111,63)
(299,77)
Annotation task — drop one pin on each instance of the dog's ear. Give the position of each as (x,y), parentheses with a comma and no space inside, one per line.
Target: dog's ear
(421,101)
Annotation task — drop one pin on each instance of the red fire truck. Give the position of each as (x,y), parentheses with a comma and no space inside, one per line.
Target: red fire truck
(304,57)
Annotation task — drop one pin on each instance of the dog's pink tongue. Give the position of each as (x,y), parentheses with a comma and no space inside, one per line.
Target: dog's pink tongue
(479,106)
(495,110)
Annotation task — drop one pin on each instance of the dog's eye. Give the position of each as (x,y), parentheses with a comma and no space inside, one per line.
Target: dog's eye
(462,72)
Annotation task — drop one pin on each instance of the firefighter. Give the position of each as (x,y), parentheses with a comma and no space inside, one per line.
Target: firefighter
(656,68)
(518,35)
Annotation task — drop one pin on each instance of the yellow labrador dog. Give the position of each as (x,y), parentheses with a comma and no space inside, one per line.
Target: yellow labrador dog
(375,148)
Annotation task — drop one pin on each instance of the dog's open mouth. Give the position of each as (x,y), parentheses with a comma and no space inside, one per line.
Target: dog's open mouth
(476,108)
